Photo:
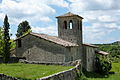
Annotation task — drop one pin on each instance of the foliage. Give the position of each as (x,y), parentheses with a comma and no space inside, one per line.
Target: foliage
(23,27)
(1,41)
(113,49)
(80,75)
(103,64)
(83,77)
(31,71)
(6,40)
(114,76)
(13,44)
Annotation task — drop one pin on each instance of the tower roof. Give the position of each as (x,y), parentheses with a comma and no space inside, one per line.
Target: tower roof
(69,14)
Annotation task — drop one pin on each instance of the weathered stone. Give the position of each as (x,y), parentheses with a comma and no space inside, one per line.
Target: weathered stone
(68,46)
(70,74)
(6,77)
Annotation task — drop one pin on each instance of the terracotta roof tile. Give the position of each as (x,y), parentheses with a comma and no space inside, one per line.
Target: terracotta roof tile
(68,15)
(90,45)
(54,39)
(102,52)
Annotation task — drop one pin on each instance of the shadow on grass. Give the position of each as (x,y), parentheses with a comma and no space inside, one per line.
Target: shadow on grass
(23,78)
(96,75)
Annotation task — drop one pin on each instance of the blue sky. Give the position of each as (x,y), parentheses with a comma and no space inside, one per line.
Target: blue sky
(101,22)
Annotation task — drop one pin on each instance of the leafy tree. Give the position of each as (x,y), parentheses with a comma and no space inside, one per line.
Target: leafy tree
(1,41)
(113,49)
(23,27)
(6,40)
(103,64)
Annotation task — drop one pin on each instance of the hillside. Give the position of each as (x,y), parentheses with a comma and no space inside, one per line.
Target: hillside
(116,43)
(112,48)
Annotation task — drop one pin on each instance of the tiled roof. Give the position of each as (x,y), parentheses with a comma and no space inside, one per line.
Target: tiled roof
(102,52)
(68,15)
(53,39)
(90,45)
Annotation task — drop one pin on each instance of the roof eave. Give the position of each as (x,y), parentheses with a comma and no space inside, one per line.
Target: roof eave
(90,45)
(69,16)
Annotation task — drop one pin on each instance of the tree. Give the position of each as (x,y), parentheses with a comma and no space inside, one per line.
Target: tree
(6,40)
(103,64)
(23,28)
(1,41)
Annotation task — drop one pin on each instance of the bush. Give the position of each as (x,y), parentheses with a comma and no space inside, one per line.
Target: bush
(103,64)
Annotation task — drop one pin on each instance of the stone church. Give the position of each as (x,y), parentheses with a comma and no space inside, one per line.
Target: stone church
(67,46)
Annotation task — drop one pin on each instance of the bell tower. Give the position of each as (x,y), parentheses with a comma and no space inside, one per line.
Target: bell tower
(70,27)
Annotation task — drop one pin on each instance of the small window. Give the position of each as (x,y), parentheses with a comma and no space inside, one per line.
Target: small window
(71,24)
(65,25)
(19,43)
(71,58)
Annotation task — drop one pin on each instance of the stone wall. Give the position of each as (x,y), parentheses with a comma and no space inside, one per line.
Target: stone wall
(12,59)
(72,35)
(89,58)
(71,74)
(6,77)
(38,49)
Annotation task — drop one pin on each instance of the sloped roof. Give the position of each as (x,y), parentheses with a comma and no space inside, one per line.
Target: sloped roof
(53,39)
(68,15)
(102,52)
(90,45)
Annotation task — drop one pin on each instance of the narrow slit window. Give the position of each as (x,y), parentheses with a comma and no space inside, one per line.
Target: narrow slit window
(65,25)
(19,43)
(71,24)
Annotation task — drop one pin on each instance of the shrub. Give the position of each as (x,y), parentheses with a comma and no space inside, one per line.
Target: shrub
(103,64)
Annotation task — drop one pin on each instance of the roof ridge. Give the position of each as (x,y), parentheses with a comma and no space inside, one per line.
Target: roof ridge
(68,15)
(54,39)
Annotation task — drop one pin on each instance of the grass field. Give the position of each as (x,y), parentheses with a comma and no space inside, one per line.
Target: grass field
(30,71)
(115,76)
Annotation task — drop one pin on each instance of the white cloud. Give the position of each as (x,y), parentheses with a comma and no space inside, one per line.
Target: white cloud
(34,11)
(102,17)
(22,10)
(51,30)
(107,18)
(60,3)
(98,32)
(94,5)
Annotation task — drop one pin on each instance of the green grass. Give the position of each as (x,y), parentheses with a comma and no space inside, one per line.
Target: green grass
(116,67)
(30,71)
(115,76)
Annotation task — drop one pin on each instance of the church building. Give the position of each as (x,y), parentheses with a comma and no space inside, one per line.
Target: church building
(67,46)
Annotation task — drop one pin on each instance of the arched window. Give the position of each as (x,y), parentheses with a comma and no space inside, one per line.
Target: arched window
(71,24)
(65,25)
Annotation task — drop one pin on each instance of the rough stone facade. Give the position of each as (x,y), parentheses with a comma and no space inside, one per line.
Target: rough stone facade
(12,59)
(72,35)
(68,46)
(89,58)
(71,74)
(6,77)
(37,49)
